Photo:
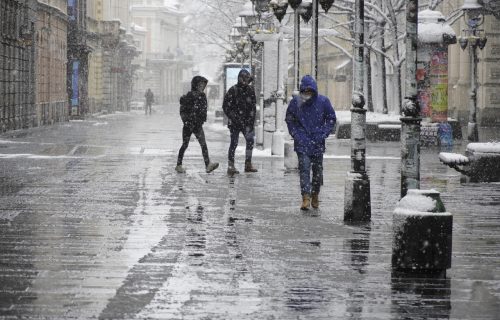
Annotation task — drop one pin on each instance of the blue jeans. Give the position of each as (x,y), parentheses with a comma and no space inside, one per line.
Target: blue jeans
(249,134)
(305,163)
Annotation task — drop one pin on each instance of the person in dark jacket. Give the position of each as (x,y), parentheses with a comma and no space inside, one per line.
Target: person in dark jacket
(310,119)
(193,112)
(150,99)
(239,107)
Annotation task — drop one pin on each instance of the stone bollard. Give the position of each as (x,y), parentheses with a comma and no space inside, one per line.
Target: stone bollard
(259,135)
(291,161)
(422,234)
(277,147)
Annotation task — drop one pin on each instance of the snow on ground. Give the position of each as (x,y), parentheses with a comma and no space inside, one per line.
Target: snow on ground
(371,117)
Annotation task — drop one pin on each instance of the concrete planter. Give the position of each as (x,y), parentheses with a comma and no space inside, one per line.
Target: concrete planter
(422,233)
(481,162)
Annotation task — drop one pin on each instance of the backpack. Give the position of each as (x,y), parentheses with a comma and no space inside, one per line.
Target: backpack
(185,108)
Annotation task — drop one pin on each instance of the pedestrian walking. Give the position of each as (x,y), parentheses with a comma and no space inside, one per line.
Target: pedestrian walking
(150,99)
(193,110)
(310,119)
(240,109)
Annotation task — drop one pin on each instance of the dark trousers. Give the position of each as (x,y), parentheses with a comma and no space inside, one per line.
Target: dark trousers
(249,134)
(148,107)
(305,164)
(198,132)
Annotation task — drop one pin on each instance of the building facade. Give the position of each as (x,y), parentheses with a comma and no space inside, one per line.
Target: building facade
(162,64)
(488,93)
(51,97)
(17,64)
(110,61)
(78,55)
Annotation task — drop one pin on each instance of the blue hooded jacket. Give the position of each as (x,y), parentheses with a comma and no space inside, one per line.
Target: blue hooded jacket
(310,122)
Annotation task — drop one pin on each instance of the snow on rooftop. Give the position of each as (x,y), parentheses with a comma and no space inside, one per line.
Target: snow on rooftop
(486,147)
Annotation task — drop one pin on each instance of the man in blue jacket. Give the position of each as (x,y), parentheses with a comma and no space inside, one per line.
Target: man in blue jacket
(310,119)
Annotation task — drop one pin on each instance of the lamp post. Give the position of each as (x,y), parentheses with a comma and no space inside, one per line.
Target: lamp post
(296,42)
(261,6)
(326,5)
(279,10)
(410,122)
(475,38)
(357,205)
(250,18)
(314,39)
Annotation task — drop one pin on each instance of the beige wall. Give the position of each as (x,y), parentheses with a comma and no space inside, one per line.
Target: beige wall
(51,58)
(61,5)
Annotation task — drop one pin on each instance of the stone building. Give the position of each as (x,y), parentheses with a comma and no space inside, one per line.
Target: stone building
(162,64)
(17,59)
(51,57)
(78,53)
(110,62)
(459,75)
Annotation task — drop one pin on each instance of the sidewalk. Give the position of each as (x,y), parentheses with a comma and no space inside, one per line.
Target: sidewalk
(104,228)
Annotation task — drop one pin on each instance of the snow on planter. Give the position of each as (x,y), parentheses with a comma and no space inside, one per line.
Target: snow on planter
(422,233)
(481,162)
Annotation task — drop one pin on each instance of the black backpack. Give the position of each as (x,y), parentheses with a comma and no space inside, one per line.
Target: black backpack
(185,108)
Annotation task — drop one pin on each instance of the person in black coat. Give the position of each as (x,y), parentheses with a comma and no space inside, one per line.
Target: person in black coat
(193,112)
(239,107)
(150,99)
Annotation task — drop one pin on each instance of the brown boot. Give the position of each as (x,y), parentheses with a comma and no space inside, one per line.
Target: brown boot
(249,167)
(306,202)
(315,200)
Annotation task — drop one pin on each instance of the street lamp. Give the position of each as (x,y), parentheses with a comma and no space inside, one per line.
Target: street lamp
(475,38)
(326,5)
(261,5)
(234,35)
(310,9)
(279,10)
(250,18)
(248,14)
(410,121)
(296,42)
(357,203)
(306,10)
(241,26)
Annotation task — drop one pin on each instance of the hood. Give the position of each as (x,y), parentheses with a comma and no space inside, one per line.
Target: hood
(246,72)
(196,80)
(308,82)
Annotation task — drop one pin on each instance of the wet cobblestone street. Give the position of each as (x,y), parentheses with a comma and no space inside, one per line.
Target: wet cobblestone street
(96,224)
